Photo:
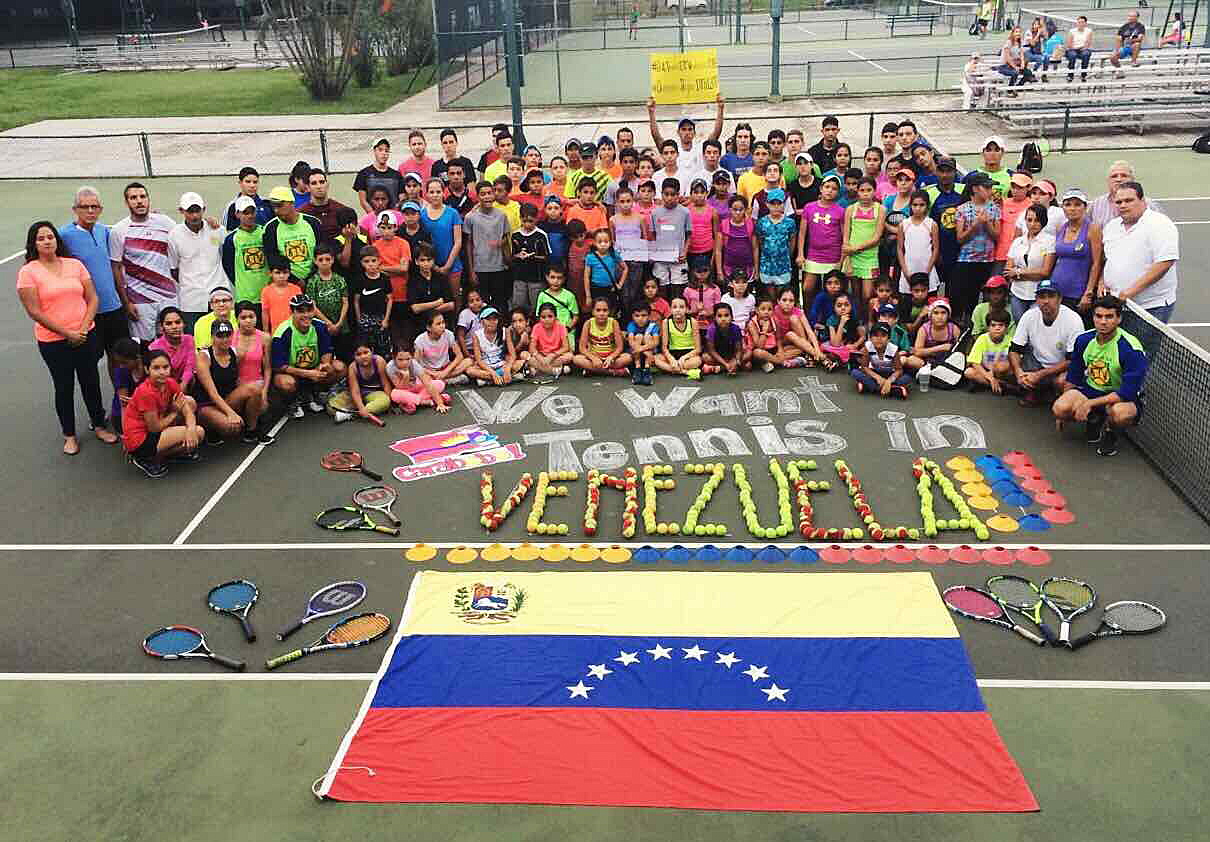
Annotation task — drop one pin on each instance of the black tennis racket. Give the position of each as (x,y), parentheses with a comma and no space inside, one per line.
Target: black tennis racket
(380,498)
(175,642)
(357,630)
(1022,596)
(1068,598)
(328,600)
(1127,617)
(348,461)
(342,518)
(235,598)
(982,606)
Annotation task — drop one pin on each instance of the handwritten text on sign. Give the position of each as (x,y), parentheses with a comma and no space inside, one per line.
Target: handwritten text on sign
(684,77)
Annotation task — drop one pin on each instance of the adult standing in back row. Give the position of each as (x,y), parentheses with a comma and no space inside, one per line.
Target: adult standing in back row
(291,235)
(1141,251)
(138,252)
(378,174)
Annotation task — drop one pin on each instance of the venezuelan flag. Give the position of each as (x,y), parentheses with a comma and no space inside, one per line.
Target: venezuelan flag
(820,692)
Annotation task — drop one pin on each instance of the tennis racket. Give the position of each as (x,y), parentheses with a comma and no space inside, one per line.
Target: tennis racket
(175,642)
(980,605)
(1128,617)
(235,598)
(352,631)
(348,461)
(1068,598)
(342,518)
(328,600)
(380,498)
(1023,596)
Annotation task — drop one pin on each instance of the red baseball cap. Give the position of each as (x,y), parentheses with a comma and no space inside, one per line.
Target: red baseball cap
(995,281)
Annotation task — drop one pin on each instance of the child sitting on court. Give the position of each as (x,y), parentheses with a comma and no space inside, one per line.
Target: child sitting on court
(159,422)
(796,334)
(469,320)
(846,334)
(601,349)
(995,297)
(741,302)
(518,334)
(411,385)
(680,343)
(128,373)
(935,339)
(766,339)
(989,353)
(825,302)
(493,355)
(368,394)
(879,368)
(550,347)
(643,338)
(657,307)
(725,349)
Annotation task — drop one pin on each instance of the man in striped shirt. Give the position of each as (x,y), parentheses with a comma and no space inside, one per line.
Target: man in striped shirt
(1102,210)
(138,250)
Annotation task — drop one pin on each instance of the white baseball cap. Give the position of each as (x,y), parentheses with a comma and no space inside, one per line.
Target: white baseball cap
(190,199)
(242,203)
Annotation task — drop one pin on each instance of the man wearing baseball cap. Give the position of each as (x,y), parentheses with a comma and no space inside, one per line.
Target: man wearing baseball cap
(588,170)
(690,159)
(993,165)
(945,201)
(291,235)
(1042,341)
(243,255)
(302,357)
(193,248)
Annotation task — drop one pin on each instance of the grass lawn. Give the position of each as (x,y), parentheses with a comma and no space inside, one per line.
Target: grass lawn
(30,95)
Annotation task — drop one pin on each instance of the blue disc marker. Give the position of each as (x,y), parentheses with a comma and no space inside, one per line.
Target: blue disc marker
(739,554)
(804,555)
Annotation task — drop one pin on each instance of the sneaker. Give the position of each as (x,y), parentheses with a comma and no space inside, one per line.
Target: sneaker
(1093,427)
(767,368)
(190,456)
(480,382)
(647,377)
(1108,445)
(795,362)
(265,438)
(315,406)
(154,470)
(214,441)
(900,392)
(458,380)
(637,377)
(694,374)
(710,368)
(297,411)
(567,369)
(249,437)
(341,416)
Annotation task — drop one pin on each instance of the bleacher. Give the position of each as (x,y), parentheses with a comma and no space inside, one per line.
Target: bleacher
(206,47)
(1167,87)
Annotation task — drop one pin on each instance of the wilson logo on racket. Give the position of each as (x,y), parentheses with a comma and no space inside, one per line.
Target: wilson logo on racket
(488,603)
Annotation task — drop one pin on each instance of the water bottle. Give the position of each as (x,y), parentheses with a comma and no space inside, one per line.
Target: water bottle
(926,374)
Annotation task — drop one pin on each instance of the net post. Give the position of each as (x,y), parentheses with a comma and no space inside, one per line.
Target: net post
(323,149)
(1066,126)
(809,78)
(870,136)
(145,148)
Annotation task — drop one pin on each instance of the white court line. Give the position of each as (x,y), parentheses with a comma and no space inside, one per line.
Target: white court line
(12,256)
(868,61)
(1189,324)
(144,677)
(1195,222)
(804,29)
(663,545)
(230,481)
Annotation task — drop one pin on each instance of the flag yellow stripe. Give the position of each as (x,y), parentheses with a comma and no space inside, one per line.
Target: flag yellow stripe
(716,604)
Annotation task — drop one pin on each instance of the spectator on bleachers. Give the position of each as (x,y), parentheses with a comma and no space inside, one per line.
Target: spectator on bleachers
(1141,251)
(1034,42)
(1103,209)
(1130,41)
(1013,63)
(1079,48)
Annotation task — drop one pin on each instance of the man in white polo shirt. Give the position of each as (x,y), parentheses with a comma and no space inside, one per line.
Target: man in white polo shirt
(1042,341)
(1141,251)
(193,251)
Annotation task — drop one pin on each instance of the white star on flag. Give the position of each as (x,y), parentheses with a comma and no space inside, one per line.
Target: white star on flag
(580,689)
(695,653)
(728,660)
(627,658)
(775,692)
(599,670)
(660,652)
(756,673)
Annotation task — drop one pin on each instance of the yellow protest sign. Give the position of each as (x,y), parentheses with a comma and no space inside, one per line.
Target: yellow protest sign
(684,77)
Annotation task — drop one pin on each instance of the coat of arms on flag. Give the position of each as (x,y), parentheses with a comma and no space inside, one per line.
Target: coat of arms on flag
(808,692)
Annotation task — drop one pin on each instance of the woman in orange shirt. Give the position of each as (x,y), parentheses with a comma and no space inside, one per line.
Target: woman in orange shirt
(57,293)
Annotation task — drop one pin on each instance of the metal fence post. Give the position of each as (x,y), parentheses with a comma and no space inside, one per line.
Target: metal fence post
(808,78)
(145,148)
(1066,126)
(558,72)
(846,29)
(12,59)
(323,149)
(937,73)
(870,141)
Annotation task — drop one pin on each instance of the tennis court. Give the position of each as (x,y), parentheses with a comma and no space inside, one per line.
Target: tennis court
(104,742)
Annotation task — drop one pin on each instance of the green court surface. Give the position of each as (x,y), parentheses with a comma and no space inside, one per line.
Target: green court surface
(103,744)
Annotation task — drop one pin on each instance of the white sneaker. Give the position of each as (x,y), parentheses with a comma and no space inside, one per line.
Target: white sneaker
(767,367)
(480,382)
(567,369)
(341,416)
(315,406)
(457,380)
(297,411)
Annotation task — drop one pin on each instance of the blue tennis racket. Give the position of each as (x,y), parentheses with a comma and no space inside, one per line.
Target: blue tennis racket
(175,642)
(328,600)
(235,598)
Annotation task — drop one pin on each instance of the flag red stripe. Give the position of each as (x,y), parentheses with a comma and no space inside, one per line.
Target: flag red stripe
(800,762)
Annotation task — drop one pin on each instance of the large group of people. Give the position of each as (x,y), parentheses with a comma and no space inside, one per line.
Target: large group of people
(690,256)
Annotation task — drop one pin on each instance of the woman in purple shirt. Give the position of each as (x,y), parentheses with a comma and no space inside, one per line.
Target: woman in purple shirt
(820,236)
(1078,254)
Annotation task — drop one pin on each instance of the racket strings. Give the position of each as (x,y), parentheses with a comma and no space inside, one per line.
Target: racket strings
(1134,616)
(974,602)
(341,518)
(1068,595)
(1015,592)
(232,597)
(359,628)
(173,641)
(341,461)
(374,498)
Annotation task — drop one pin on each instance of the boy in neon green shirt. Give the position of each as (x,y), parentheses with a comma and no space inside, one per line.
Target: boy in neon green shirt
(988,357)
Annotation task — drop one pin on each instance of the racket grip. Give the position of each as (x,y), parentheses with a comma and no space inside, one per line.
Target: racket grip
(249,632)
(386,530)
(374,475)
(376,420)
(274,663)
(230,663)
(1028,635)
(1047,633)
(1082,640)
(284,634)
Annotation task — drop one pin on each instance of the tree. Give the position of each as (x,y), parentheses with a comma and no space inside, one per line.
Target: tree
(404,30)
(320,40)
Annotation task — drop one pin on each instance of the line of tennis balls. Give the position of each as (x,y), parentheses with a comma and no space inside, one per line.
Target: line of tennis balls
(535,524)
(489,516)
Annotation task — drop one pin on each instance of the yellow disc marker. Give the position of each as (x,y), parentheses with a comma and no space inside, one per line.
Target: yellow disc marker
(495,552)
(585,552)
(968,475)
(1003,523)
(525,552)
(555,552)
(420,552)
(615,554)
(985,503)
(959,463)
(977,489)
(461,555)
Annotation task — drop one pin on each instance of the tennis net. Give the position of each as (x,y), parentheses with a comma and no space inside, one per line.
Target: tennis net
(1174,432)
(1025,18)
(200,34)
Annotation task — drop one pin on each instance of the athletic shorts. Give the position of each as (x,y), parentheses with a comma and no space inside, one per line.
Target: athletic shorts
(111,327)
(677,353)
(700,261)
(144,328)
(813,268)
(670,274)
(1125,52)
(149,448)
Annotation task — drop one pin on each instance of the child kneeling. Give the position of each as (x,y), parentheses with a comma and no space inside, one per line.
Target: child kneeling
(879,367)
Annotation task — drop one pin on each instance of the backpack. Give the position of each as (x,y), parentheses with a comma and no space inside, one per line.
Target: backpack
(1202,144)
(1031,159)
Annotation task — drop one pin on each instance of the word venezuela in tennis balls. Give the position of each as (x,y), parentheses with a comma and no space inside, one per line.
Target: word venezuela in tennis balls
(657,478)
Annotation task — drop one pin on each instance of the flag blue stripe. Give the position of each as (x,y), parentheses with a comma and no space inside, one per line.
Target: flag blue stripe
(819,674)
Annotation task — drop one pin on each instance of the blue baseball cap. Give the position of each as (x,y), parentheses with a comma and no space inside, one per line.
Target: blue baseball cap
(410,206)
(488,312)
(1046,285)
(775,195)
(552,200)
(686,121)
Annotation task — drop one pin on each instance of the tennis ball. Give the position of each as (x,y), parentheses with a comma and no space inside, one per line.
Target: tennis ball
(674,528)
(699,530)
(563,529)
(543,528)
(661,528)
(913,534)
